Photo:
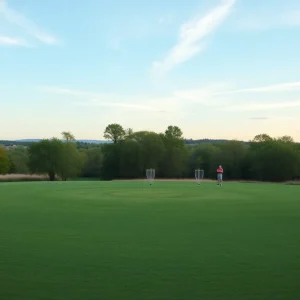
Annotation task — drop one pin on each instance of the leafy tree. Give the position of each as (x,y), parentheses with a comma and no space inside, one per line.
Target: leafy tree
(207,157)
(275,161)
(114,132)
(46,157)
(68,136)
(152,149)
(262,138)
(111,161)
(93,162)
(19,160)
(4,161)
(72,162)
(131,159)
(286,139)
(175,158)
(231,156)
(129,132)
(173,132)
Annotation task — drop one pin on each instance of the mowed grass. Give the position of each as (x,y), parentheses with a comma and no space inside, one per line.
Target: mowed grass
(132,241)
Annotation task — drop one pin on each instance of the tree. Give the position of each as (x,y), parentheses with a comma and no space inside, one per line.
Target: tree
(19,160)
(205,156)
(114,132)
(286,139)
(129,132)
(173,132)
(93,162)
(72,161)
(68,136)
(4,161)
(231,156)
(260,138)
(175,158)
(275,161)
(131,159)
(111,161)
(46,157)
(152,149)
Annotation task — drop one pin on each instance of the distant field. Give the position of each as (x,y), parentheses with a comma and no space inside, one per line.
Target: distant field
(125,240)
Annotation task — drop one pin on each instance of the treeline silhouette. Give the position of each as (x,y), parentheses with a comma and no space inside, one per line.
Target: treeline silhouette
(130,153)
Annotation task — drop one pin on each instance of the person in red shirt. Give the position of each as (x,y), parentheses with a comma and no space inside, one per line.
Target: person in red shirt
(220,175)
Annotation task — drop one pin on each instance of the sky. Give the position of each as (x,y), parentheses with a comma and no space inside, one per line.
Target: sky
(224,69)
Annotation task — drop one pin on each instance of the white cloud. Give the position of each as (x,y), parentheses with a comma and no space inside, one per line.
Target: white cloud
(221,90)
(192,35)
(178,102)
(27,25)
(166,104)
(9,41)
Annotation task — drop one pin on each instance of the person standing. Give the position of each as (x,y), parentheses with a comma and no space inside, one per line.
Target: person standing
(220,175)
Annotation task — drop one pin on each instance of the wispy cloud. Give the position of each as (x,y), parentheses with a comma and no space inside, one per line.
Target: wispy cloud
(9,41)
(269,20)
(216,95)
(76,93)
(95,102)
(280,87)
(222,90)
(264,106)
(27,25)
(94,99)
(192,36)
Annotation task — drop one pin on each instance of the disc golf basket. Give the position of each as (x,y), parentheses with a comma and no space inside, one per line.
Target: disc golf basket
(150,174)
(199,175)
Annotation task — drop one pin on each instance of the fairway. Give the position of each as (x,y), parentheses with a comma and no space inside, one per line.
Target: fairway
(126,240)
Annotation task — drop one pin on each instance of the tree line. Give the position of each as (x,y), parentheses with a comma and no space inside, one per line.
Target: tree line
(130,153)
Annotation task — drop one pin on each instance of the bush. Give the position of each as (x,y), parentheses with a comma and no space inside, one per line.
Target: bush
(22,177)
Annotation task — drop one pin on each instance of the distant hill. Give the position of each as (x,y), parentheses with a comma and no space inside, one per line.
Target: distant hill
(26,142)
(205,141)
(80,141)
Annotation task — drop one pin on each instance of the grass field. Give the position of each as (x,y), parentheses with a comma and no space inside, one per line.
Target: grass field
(130,241)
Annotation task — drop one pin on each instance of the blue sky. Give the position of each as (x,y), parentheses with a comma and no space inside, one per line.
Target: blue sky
(216,68)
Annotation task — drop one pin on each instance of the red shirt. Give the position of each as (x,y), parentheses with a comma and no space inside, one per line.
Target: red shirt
(220,170)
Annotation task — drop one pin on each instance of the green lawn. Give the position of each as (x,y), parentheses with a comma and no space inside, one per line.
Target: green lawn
(130,241)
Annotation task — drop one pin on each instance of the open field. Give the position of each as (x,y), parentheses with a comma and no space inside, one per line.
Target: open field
(131,241)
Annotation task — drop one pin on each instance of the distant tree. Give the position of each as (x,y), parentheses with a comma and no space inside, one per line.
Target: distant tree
(93,163)
(231,156)
(111,161)
(68,136)
(131,159)
(286,139)
(19,160)
(205,156)
(46,157)
(262,138)
(114,132)
(4,161)
(72,162)
(129,132)
(173,132)
(175,159)
(151,147)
